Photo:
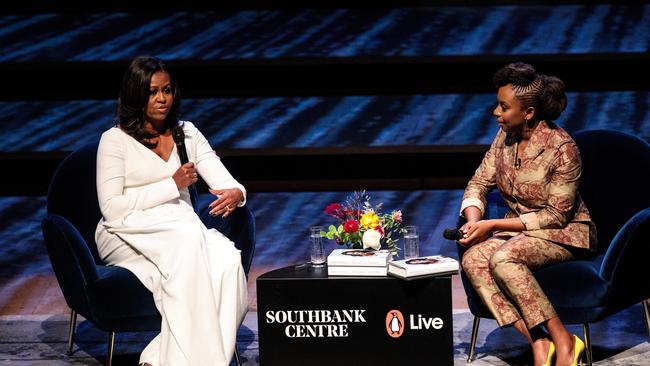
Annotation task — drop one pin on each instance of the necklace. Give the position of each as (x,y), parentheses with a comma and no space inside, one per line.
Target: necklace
(517,159)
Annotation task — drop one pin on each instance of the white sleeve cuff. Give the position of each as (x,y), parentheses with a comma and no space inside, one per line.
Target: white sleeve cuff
(472,202)
(530,220)
(243,191)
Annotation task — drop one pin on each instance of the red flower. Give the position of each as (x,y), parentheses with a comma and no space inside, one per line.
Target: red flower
(352,213)
(380,229)
(351,226)
(334,209)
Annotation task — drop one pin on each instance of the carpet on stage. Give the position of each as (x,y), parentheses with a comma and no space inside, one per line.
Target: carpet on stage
(41,340)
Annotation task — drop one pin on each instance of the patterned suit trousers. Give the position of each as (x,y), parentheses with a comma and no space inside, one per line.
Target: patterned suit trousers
(500,271)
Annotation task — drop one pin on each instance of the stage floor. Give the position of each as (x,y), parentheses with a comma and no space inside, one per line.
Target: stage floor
(41,340)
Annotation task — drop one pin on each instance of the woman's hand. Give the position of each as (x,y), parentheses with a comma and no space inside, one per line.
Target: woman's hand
(185,175)
(226,202)
(476,232)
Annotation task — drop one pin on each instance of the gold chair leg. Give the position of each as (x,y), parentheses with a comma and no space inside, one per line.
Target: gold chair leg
(72,326)
(237,360)
(472,343)
(590,357)
(111,346)
(646,312)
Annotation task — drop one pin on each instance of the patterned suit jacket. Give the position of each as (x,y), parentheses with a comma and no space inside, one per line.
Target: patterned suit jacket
(542,190)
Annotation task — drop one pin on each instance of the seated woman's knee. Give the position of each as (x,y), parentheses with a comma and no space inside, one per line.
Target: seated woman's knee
(499,259)
(472,258)
(191,235)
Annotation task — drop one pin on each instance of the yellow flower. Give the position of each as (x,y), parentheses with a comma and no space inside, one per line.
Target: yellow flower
(369,220)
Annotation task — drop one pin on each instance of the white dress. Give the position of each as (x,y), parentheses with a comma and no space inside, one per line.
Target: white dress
(150,228)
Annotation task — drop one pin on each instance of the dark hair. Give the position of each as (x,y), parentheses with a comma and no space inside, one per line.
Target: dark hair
(134,96)
(544,93)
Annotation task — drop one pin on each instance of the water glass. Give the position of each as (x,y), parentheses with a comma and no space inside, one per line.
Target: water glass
(316,245)
(411,242)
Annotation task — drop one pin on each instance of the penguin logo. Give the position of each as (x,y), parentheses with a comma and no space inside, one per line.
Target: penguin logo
(395,323)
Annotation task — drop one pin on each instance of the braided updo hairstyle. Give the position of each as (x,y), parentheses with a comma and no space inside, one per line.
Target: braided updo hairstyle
(544,93)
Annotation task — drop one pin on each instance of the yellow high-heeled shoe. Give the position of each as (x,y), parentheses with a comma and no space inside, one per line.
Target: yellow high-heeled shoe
(551,353)
(577,350)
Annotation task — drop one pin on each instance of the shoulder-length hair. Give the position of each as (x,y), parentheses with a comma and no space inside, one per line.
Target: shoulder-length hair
(134,96)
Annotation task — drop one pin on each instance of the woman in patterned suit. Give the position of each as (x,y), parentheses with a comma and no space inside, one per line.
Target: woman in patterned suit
(536,166)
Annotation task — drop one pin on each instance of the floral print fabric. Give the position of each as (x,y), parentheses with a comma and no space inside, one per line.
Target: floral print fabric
(540,186)
(500,272)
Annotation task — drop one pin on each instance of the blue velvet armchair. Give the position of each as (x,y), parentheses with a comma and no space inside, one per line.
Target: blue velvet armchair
(110,297)
(614,187)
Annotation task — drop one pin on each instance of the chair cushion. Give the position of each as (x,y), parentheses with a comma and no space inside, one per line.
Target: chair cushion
(71,260)
(574,284)
(120,302)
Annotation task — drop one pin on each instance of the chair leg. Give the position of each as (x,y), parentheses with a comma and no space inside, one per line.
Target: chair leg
(72,327)
(111,346)
(472,343)
(590,357)
(646,312)
(237,360)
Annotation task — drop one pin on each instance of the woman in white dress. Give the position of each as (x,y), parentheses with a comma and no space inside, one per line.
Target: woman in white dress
(150,227)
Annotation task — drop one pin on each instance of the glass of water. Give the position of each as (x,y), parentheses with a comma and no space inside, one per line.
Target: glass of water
(411,242)
(316,246)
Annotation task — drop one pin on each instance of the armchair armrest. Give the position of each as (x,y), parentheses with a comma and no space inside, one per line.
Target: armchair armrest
(71,259)
(238,227)
(626,256)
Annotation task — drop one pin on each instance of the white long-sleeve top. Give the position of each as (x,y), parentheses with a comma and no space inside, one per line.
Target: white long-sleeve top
(131,177)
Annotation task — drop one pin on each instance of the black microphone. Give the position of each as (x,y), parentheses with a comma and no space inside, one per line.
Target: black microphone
(179,139)
(452,234)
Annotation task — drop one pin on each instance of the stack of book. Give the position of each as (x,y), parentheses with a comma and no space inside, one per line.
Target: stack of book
(358,262)
(435,265)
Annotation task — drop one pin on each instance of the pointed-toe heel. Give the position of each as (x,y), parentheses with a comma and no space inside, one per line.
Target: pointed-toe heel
(577,350)
(551,353)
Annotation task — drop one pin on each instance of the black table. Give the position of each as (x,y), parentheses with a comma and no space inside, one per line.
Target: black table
(307,318)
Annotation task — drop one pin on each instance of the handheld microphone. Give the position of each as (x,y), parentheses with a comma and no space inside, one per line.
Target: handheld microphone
(452,234)
(179,140)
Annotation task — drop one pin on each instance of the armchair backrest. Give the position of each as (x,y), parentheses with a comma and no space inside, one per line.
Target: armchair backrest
(73,194)
(615,182)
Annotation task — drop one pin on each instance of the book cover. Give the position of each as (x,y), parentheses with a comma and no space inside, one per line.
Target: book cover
(356,271)
(359,257)
(423,266)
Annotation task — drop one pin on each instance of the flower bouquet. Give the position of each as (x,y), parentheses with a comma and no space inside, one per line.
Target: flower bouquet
(362,225)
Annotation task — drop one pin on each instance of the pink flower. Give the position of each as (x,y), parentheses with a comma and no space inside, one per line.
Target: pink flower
(351,226)
(397,216)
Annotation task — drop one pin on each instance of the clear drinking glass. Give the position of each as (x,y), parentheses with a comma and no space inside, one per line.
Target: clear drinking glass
(316,246)
(411,242)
